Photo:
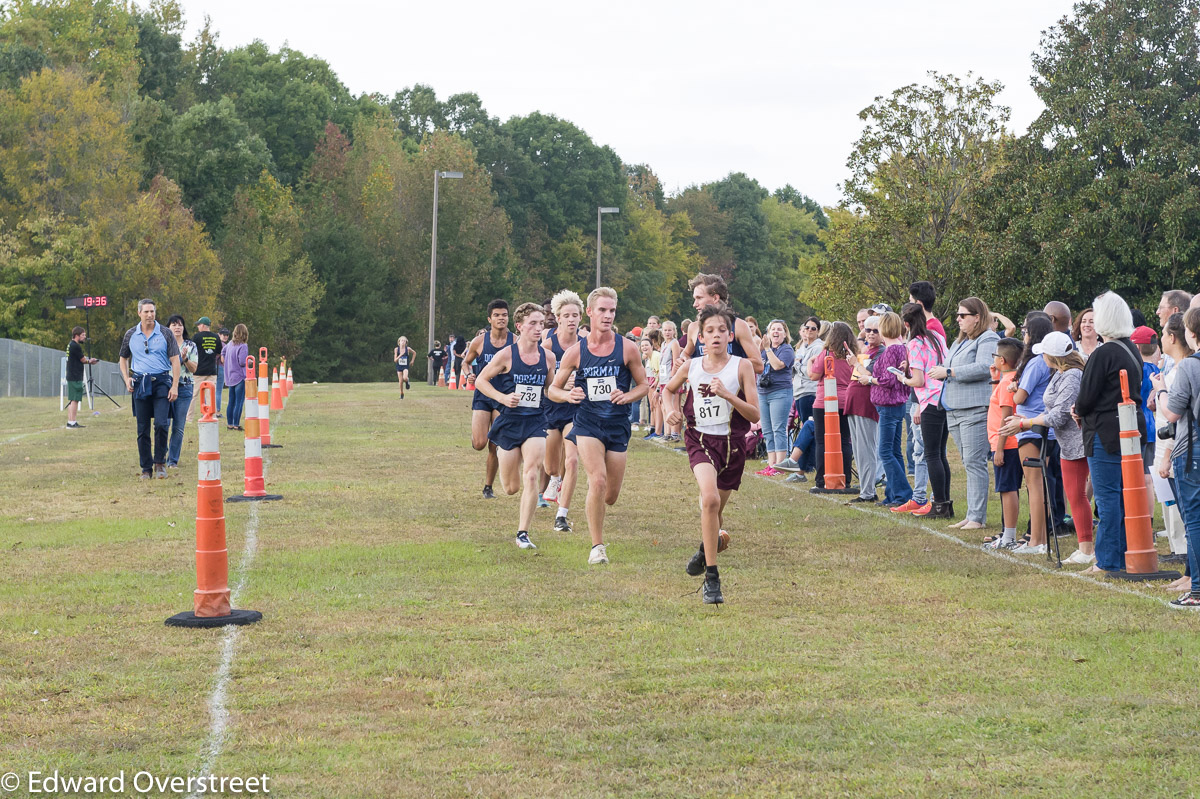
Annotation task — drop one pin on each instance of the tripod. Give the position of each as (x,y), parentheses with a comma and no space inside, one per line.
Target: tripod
(90,384)
(1053,554)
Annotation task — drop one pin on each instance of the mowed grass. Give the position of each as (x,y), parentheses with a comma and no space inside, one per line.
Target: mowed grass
(410,649)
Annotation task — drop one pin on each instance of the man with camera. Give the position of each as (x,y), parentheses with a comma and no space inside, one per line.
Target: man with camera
(150,365)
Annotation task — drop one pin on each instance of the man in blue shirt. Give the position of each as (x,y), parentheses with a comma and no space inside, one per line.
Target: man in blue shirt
(150,365)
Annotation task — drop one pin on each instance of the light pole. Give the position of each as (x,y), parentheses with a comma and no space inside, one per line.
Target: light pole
(601,209)
(433,261)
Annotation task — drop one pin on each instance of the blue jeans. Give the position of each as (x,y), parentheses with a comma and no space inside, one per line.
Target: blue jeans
(237,398)
(891,453)
(1187,493)
(917,443)
(220,386)
(806,441)
(154,408)
(179,409)
(909,444)
(775,408)
(1106,486)
(804,406)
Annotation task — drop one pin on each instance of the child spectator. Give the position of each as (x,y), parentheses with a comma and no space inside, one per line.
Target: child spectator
(1006,463)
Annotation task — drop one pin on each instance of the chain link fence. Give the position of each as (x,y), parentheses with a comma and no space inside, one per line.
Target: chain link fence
(27,370)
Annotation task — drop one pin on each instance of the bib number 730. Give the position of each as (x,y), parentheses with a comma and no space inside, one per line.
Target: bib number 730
(600,389)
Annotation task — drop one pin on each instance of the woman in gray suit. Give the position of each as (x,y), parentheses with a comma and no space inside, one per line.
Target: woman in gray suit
(966,390)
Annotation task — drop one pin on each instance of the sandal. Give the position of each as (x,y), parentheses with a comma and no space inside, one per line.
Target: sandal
(988,539)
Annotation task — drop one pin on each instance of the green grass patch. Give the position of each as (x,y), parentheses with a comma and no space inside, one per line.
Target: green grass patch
(410,649)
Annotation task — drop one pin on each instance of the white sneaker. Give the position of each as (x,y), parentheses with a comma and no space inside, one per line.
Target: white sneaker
(551,492)
(523,541)
(1078,557)
(1159,534)
(634,427)
(598,555)
(1026,549)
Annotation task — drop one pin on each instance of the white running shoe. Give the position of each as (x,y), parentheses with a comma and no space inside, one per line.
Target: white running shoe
(551,492)
(1080,558)
(598,555)
(1026,549)
(523,541)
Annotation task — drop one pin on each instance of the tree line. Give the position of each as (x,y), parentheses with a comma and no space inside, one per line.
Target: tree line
(251,185)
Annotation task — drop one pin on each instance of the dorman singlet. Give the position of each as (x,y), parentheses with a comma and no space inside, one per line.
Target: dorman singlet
(488,352)
(599,376)
(527,381)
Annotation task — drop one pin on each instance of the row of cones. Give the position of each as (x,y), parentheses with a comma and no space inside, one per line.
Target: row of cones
(211,601)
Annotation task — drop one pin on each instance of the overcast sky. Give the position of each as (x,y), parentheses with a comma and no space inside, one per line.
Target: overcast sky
(694,89)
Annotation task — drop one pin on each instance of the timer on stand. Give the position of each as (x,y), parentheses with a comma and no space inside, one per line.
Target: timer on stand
(87,303)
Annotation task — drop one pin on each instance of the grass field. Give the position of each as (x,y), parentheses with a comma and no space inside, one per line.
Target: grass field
(409,649)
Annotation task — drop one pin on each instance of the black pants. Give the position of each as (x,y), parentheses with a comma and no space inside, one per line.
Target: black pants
(934,434)
(1055,501)
(847,446)
(157,406)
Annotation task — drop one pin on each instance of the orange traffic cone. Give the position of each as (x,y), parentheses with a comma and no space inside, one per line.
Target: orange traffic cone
(255,490)
(211,606)
(469,382)
(276,394)
(835,477)
(453,380)
(264,404)
(283,384)
(1141,558)
(290,383)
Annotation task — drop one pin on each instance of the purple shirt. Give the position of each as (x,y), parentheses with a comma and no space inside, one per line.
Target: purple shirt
(235,362)
(890,391)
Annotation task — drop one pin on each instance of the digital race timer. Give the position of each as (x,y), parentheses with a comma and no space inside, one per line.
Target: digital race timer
(86,302)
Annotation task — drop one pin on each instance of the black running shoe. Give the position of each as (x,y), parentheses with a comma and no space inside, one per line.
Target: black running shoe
(561,524)
(695,566)
(712,591)
(487,493)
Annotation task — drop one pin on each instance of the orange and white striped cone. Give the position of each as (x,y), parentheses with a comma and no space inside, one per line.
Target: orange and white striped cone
(291,384)
(264,404)
(255,479)
(441,380)
(211,606)
(1141,558)
(276,393)
(835,477)
(453,381)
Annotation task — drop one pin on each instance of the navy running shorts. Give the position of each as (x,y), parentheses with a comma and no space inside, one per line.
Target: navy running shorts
(612,433)
(510,430)
(1009,476)
(482,402)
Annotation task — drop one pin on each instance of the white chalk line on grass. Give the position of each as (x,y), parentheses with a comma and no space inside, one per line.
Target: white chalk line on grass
(218,730)
(908,521)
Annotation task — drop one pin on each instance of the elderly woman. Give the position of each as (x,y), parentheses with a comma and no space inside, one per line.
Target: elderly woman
(1096,409)
(966,391)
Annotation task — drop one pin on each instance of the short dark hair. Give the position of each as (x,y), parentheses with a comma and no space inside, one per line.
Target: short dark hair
(720,309)
(922,291)
(1010,350)
(75,331)
(495,304)
(713,284)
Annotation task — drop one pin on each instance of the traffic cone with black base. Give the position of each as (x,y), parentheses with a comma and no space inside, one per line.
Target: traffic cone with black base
(835,477)
(211,607)
(255,478)
(1141,558)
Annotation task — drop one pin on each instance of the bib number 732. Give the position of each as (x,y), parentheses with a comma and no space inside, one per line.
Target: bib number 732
(529,396)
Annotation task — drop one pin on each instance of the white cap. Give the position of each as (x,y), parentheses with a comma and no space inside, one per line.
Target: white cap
(1056,344)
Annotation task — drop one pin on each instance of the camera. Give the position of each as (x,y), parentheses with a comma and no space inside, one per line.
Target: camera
(1167,431)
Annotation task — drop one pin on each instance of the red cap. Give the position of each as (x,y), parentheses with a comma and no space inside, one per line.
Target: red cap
(1142,335)
(637,331)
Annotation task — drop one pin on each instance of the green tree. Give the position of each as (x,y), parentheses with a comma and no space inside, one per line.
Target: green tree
(1104,191)
(212,153)
(268,284)
(99,37)
(924,150)
(285,98)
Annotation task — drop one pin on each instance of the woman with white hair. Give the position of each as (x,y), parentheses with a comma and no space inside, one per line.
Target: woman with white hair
(1096,411)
